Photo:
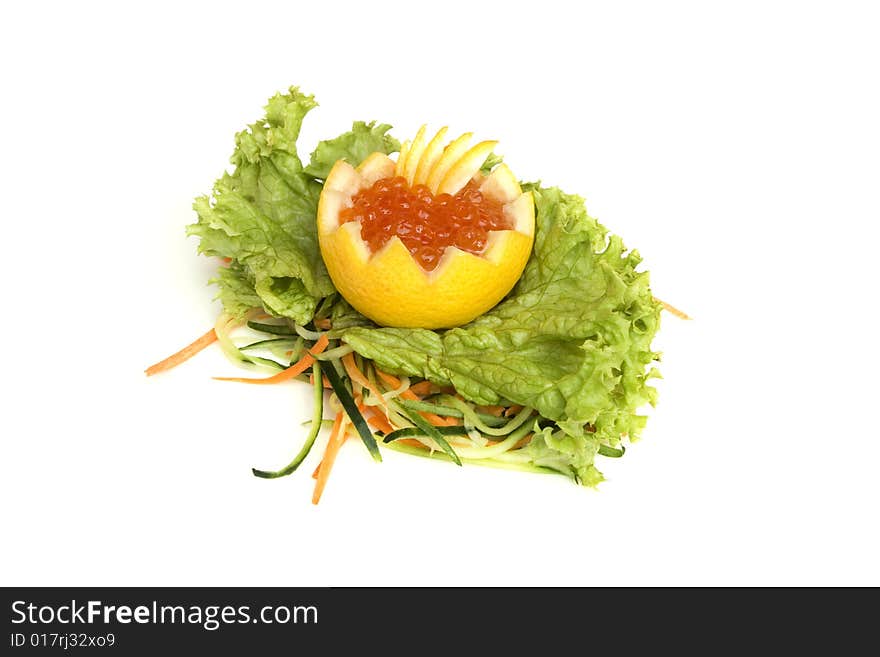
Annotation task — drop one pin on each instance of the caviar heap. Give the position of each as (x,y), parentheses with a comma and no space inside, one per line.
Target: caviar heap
(426,224)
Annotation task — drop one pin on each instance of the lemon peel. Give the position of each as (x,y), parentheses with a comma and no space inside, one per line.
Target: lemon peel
(389,286)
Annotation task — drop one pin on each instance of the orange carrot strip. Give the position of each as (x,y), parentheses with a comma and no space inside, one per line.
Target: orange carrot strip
(357,376)
(512,410)
(380,423)
(337,437)
(183,355)
(493,410)
(672,309)
(390,379)
(324,380)
(422,388)
(317,470)
(394,382)
(434,419)
(323,324)
(377,420)
(294,370)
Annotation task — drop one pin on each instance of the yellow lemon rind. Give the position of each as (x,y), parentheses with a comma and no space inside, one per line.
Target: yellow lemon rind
(430,157)
(390,287)
(393,290)
(451,154)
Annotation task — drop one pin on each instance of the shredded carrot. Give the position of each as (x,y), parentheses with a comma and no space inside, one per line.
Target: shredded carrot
(512,410)
(357,376)
(294,370)
(434,419)
(390,379)
(672,309)
(337,437)
(377,420)
(380,423)
(422,388)
(323,324)
(324,380)
(493,410)
(317,470)
(183,355)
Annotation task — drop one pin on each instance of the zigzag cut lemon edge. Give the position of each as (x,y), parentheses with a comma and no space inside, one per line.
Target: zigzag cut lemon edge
(389,286)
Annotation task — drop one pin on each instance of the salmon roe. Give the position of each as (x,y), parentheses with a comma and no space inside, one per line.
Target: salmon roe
(426,224)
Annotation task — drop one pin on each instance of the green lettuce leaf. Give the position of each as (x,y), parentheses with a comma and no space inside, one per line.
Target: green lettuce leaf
(353,147)
(237,292)
(492,161)
(570,451)
(262,215)
(571,340)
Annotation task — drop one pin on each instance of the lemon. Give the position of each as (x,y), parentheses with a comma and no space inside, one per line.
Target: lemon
(389,286)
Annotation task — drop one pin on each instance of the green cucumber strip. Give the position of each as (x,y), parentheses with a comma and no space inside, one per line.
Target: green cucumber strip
(491,463)
(439,409)
(225,324)
(279,348)
(265,344)
(259,360)
(335,354)
(471,417)
(306,333)
(274,329)
(326,306)
(317,423)
(430,430)
(496,449)
(427,407)
(612,452)
(408,432)
(352,411)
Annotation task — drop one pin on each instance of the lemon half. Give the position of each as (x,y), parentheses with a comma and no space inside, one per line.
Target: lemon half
(389,286)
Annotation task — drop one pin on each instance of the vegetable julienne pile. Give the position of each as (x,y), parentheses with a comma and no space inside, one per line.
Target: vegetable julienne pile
(543,382)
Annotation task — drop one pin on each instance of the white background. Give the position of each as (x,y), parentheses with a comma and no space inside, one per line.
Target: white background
(734,144)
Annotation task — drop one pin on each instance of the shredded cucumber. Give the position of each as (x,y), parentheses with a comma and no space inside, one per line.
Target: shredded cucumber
(431,431)
(471,417)
(224,326)
(335,354)
(411,432)
(481,439)
(496,449)
(317,423)
(306,333)
(498,462)
(351,409)
(286,349)
(274,329)
(448,411)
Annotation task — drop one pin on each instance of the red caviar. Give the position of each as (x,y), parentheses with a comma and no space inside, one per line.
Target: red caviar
(426,224)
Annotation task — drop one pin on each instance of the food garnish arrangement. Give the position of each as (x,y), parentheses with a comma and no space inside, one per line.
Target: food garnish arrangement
(437,305)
